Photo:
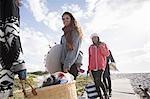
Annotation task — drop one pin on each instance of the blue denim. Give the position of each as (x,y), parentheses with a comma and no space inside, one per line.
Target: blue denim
(22,74)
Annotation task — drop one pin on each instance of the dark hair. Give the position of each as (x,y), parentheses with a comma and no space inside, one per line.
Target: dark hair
(71,16)
(98,41)
(74,23)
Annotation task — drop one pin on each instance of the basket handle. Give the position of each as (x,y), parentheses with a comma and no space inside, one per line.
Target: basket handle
(33,89)
(23,88)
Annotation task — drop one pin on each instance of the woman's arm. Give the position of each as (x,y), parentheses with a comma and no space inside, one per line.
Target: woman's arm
(72,54)
(111,57)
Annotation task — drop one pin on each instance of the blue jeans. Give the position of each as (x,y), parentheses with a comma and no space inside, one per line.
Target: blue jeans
(22,74)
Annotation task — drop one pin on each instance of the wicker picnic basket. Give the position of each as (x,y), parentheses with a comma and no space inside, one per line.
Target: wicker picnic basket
(61,91)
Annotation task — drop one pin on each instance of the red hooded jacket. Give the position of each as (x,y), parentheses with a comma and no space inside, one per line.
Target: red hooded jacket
(97,57)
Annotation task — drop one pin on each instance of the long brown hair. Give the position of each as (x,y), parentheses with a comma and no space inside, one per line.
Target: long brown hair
(74,24)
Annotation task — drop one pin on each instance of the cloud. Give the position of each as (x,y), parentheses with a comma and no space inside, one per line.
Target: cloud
(52,19)
(119,20)
(38,8)
(78,13)
(91,5)
(42,14)
(24,3)
(133,61)
(35,46)
(108,13)
(122,24)
(147,48)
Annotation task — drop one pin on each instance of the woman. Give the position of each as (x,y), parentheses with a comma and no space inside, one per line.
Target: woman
(71,41)
(98,52)
(10,47)
(106,77)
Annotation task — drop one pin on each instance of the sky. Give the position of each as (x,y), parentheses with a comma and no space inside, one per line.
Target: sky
(124,25)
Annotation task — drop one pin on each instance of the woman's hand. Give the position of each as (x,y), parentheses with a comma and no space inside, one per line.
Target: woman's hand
(18,2)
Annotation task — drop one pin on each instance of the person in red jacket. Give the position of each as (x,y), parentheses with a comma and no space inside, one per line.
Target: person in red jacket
(98,52)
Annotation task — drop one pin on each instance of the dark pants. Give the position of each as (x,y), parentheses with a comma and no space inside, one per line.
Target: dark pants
(107,82)
(98,76)
(73,70)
